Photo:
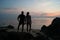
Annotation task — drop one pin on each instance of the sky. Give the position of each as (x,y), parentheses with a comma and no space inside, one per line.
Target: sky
(35,7)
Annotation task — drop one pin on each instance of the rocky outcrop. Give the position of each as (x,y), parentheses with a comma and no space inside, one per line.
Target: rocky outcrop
(3,29)
(10,27)
(53,30)
(16,36)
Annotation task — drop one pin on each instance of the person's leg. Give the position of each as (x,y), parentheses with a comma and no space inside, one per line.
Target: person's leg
(22,27)
(27,27)
(30,27)
(18,26)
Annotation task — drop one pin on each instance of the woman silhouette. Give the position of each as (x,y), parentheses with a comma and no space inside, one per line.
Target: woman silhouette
(28,22)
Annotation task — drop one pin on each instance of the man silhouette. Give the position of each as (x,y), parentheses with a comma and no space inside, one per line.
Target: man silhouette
(28,21)
(21,19)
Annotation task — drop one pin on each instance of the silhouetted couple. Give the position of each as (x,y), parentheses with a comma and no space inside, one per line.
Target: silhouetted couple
(24,20)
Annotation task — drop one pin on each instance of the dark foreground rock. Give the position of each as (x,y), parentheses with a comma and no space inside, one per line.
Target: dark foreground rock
(15,36)
(53,30)
(5,28)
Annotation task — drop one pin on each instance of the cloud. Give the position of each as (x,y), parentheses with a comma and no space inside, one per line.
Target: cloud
(46,6)
(33,14)
(8,10)
(34,6)
(12,10)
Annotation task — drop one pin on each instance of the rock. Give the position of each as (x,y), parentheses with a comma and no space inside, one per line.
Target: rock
(16,36)
(43,29)
(53,30)
(5,28)
(10,27)
(19,36)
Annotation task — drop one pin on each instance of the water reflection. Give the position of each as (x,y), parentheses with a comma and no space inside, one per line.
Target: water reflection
(37,23)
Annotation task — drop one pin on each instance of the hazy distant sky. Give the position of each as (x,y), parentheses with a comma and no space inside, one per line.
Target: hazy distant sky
(50,7)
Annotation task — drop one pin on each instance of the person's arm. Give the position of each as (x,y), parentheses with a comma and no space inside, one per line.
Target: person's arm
(18,17)
(31,19)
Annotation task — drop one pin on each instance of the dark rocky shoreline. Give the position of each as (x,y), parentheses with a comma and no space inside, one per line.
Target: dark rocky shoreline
(51,32)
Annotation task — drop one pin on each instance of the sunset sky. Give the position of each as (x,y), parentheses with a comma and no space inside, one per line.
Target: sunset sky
(43,7)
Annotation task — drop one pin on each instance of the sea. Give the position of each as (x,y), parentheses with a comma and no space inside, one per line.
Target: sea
(11,19)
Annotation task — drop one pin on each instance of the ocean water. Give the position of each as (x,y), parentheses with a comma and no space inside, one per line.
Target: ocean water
(37,23)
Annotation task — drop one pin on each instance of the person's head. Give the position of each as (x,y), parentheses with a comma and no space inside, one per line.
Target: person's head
(27,13)
(22,12)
